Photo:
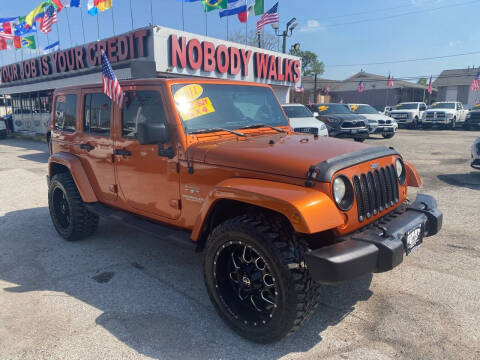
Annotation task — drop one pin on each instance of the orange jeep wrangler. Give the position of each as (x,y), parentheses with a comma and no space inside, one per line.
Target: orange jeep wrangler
(276,213)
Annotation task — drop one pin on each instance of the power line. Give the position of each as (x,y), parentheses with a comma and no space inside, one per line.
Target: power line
(400,15)
(407,60)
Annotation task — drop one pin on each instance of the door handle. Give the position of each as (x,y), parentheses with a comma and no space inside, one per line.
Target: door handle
(122,152)
(87,147)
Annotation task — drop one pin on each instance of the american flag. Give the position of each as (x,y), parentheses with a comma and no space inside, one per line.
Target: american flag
(49,19)
(270,17)
(475,82)
(390,81)
(299,88)
(111,85)
(430,86)
(361,86)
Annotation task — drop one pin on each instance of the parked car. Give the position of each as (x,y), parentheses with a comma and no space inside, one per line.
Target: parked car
(377,124)
(341,122)
(473,118)
(302,120)
(215,162)
(409,114)
(476,154)
(445,114)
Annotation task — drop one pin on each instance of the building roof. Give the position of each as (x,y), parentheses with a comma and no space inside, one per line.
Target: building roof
(456,77)
(309,83)
(374,82)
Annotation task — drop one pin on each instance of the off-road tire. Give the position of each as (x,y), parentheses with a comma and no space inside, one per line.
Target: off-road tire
(359,139)
(82,222)
(272,239)
(388,136)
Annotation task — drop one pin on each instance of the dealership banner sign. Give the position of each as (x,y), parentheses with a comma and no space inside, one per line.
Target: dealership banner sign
(120,48)
(191,54)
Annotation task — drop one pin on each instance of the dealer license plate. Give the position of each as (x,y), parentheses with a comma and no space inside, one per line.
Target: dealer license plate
(413,239)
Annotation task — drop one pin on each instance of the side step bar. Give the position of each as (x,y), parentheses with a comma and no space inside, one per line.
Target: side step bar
(181,237)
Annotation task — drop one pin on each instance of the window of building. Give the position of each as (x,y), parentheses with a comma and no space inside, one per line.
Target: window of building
(141,106)
(65,113)
(97,114)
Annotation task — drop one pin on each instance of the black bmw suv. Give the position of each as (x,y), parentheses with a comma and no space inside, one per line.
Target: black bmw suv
(340,121)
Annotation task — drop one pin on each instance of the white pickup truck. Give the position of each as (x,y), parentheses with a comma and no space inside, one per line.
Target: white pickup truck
(409,113)
(445,114)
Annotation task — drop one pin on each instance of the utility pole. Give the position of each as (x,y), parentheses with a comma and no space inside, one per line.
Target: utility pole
(315,89)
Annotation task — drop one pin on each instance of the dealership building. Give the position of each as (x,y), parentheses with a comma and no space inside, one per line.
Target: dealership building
(144,53)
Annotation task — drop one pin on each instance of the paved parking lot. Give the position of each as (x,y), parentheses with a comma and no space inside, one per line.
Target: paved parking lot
(125,295)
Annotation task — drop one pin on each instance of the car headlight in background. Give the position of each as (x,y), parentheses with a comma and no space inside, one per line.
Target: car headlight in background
(323,126)
(343,193)
(400,169)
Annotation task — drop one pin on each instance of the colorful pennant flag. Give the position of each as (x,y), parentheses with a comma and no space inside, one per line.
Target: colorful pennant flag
(234,7)
(28,42)
(475,82)
(36,13)
(71,3)
(390,81)
(430,86)
(111,85)
(259,7)
(3,44)
(52,47)
(94,6)
(270,17)
(49,18)
(210,5)
(361,87)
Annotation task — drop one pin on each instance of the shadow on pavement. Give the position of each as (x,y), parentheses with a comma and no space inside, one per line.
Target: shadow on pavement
(469,181)
(38,157)
(25,144)
(150,292)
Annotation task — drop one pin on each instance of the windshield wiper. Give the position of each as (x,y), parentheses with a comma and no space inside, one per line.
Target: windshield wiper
(205,131)
(256,126)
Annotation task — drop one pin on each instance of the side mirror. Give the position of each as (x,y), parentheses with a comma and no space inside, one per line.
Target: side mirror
(149,133)
(316,114)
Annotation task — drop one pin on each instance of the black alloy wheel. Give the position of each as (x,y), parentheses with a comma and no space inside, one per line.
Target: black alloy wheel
(245,283)
(255,278)
(72,220)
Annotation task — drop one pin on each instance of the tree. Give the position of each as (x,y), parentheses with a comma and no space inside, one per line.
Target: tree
(422,81)
(310,63)
(268,40)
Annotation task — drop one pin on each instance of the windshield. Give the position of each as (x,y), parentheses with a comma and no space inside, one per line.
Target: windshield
(363,109)
(327,109)
(297,112)
(443,106)
(211,106)
(406,107)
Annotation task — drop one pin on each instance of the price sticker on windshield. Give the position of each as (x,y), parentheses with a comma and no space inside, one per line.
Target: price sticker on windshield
(322,108)
(196,109)
(354,107)
(188,93)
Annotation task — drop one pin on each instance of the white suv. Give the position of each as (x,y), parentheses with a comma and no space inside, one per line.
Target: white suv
(377,123)
(409,113)
(302,120)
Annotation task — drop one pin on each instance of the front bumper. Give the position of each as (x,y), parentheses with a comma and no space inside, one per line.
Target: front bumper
(361,133)
(378,247)
(384,130)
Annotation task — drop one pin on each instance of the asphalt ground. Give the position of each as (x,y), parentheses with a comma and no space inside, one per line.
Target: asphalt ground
(126,295)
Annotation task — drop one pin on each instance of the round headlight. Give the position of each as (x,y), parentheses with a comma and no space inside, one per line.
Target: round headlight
(400,169)
(343,193)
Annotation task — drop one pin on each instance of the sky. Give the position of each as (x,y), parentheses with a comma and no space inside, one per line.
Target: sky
(340,32)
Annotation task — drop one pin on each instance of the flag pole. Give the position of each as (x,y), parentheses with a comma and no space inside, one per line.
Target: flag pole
(227,27)
(206,22)
(83,26)
(98,28)
(58,32)
(38,43)
(151,10)
(69,29)
(113,22)
(131,13)
(183,19)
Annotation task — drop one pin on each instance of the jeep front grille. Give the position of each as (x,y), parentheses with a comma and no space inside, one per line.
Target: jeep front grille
(375,191)
(308,130)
